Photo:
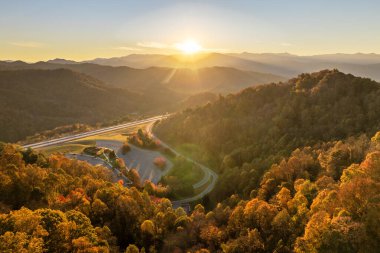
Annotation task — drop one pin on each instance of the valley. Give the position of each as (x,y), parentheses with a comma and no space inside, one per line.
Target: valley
(182,126)
(142,160)
(269,155)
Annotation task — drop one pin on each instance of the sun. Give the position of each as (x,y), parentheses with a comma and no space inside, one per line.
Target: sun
(189,46)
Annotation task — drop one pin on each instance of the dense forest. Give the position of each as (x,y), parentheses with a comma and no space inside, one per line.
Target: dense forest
(323,198)
(299,166)
(242,135)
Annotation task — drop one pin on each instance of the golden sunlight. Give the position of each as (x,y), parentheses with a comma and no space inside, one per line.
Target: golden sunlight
(189,47)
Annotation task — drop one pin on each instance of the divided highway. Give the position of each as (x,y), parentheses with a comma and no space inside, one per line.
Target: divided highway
(209,176)
(91,133)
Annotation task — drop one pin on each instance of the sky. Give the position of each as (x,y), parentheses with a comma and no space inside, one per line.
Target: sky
(88,29)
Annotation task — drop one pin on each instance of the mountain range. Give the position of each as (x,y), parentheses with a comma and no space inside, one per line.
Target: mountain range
(44,95)
(283,64)
(160,79)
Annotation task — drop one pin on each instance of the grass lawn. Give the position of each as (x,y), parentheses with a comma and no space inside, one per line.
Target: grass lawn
(189,149)
(117,135)
(195,152)
(186,171)
(77,146)
(181,178)
(63,148)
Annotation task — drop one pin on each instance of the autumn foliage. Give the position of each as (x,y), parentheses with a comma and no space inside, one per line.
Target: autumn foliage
(160,162)
(301,188)
(125,148)
(313,201)
(143,140)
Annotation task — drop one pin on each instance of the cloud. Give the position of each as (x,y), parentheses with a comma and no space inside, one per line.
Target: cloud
(28,44)
(127,48)
(153,44)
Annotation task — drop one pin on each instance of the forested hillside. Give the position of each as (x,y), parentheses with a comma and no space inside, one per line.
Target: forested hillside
(42,96)
(299,166)
(322,199)
(242,135)
(198,100)
(36,100)
(171,82)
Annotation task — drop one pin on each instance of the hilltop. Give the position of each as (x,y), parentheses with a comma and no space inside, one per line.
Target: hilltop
(261,125)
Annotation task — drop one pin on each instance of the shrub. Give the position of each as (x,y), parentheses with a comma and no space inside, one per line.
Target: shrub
(125,148)
(94,151)
(160,162)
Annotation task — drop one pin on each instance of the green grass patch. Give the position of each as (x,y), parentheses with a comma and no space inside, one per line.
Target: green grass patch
(117,135)
(65,148)
(189,149)
(77,146)
(181,178)
(186,171)
(195,152)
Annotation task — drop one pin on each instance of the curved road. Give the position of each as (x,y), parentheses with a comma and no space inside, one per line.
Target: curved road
(209,174)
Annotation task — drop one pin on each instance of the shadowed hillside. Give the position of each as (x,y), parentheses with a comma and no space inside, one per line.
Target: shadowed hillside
(198,100)
(39,99)
(36,100)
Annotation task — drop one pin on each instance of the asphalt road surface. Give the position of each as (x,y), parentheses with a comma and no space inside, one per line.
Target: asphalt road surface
(138,158)
(91,133)
(144,161)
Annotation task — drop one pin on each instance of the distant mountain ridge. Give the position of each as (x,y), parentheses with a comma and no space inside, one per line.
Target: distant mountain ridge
(279,64)
(283,64)
(176,81)
(62,61)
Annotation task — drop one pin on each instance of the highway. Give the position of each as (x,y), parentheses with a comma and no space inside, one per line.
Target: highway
(91,133)
(209,176)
